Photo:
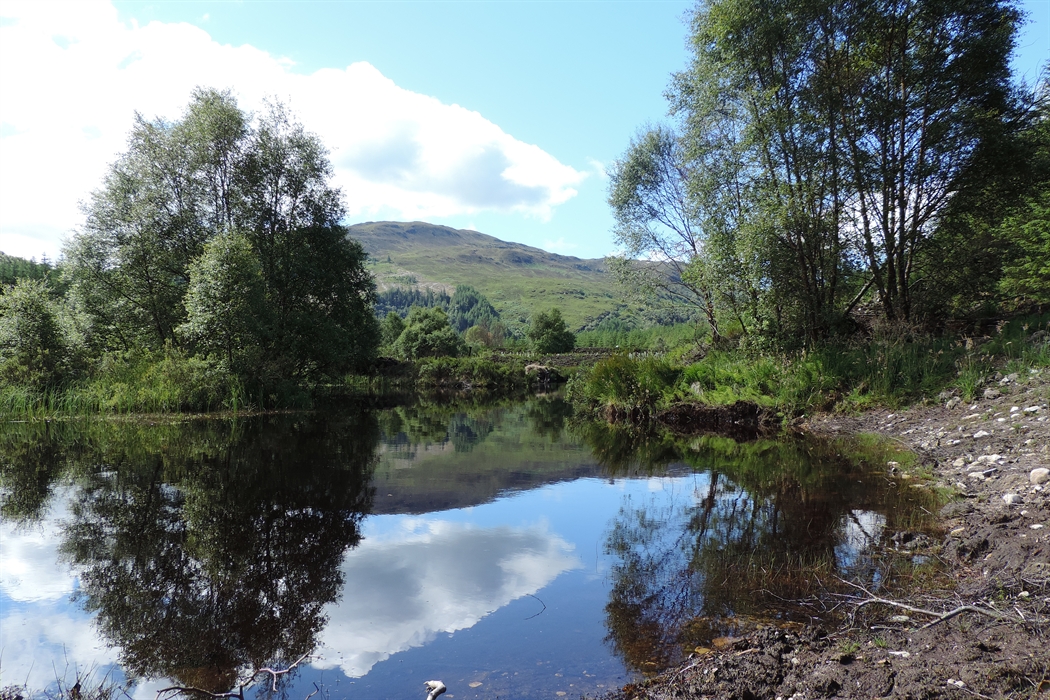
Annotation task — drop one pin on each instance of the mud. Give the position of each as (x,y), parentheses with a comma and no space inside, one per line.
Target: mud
(995,552)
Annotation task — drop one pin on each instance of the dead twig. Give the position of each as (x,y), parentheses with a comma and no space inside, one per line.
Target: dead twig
(239,693)
(940,617)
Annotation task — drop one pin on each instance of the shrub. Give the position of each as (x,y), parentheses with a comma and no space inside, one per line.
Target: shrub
(428,334)
(549,334)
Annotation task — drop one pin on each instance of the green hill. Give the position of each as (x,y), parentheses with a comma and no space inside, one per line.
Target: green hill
(518,279)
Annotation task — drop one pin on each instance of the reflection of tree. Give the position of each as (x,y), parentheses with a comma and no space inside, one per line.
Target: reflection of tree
(217,553)
(407,426)
(625,450)
(548,415)
(31,458)
(762,533)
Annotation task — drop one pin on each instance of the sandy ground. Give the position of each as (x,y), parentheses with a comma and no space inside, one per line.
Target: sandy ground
(995,547)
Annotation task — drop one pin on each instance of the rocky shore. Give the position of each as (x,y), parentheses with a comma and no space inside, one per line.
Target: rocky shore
(979,630)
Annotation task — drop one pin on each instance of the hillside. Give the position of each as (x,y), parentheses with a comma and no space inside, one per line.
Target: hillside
(517,279)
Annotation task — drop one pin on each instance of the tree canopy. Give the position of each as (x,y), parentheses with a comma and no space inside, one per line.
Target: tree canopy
(222,230)
(818,147)
(549,334)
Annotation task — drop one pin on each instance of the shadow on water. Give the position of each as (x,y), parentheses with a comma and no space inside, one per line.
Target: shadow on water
(206,548)
(769,536)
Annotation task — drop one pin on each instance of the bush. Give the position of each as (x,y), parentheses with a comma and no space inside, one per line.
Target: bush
(470,373)
(549,334)
(428,334)
(36,348)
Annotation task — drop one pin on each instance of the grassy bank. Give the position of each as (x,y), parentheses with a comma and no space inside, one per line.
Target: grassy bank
(889,368)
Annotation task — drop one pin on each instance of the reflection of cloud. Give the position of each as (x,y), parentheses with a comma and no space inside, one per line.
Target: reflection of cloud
(42,643)
(29,568)
(435,577)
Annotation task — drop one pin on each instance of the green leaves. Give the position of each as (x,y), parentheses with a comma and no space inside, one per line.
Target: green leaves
(428,334)
(549,334)
(223,232)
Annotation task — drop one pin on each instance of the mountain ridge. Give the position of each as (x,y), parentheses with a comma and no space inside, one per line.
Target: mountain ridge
(518,279)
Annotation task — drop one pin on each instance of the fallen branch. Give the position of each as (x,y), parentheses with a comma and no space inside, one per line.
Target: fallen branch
(941,617)
(239,693)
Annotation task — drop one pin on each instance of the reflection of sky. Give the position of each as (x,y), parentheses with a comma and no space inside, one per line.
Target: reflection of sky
(29,554)
(417,583)
(433,576)
(43,635)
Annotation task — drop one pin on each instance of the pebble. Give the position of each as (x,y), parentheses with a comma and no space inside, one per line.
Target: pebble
(976,475)
(961,462)
(992,393)
(1032,409)
(1037,526)
(989,459)
(900,619)
(957,531)
(981,434)
(1012,499)
(1039,476)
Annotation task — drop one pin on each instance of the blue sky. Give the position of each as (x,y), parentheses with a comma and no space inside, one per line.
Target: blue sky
(497,116)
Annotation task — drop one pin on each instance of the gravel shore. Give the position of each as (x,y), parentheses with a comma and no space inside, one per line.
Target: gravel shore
(993,455)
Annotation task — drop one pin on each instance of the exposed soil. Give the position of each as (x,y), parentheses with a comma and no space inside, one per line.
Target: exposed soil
(996,554)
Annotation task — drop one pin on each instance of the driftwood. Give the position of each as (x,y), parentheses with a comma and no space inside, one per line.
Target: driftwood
(873,599)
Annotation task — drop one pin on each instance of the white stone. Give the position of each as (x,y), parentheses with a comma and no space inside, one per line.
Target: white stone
(1012,499)
(989,459)
(1037,526)
(1015,409)
(981,434)
(1032,409)
(1039,476)
(978,476)
(959,462)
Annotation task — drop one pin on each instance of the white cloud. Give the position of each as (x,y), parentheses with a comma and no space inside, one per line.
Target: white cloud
(560,245)
(432,577)
(72,75)
(31,570)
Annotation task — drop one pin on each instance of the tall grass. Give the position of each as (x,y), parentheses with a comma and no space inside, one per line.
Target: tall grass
(139,382)
(892,367)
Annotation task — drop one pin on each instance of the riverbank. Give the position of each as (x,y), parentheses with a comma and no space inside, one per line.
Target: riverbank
(994,547)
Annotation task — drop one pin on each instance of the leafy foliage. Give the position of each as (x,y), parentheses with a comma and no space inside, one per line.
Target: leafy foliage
(37,349)
(549,334)
(221,231)
(225,304)
(428,334)
(818,147)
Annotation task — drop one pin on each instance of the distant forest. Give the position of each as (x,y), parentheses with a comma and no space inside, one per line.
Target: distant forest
(466,308)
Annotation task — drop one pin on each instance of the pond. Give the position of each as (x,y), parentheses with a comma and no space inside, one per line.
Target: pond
(508,551)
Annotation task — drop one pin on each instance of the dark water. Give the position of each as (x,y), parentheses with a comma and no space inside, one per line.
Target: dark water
(499,550)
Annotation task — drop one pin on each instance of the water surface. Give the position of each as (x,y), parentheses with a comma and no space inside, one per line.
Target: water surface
(497,549)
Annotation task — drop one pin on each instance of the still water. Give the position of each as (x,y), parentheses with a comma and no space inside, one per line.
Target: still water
(506,551)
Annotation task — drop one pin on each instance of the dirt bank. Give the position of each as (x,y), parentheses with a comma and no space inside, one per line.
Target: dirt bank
(995,550)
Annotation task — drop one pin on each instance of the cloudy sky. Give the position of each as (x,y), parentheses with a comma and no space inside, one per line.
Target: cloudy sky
(496,116)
